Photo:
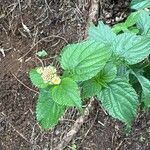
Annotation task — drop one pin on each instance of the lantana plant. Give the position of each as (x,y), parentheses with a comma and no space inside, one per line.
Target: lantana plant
(112,64)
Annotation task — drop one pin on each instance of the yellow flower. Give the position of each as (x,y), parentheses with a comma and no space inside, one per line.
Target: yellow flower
(56,80)
(49,75)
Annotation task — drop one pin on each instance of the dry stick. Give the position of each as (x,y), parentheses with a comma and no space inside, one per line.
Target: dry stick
(20,134)
(89,128)
(119,146)
(25,85)
(51,36)
(93,12)
(17,130)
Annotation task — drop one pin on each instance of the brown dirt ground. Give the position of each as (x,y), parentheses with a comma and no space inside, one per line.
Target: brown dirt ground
(51,25)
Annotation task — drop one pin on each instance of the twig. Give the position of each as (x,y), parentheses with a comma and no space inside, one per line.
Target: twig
(40,61)
(93,14)
(17,130)
(20,9)
(14,7)
(120,144)
(24,84)
(20,134)
(47,5)
(51,36)
(90,127)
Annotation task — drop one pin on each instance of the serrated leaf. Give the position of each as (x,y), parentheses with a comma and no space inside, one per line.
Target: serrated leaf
(107,74)
(67,93)
(41,53)
(102,33)
(121,70)
(140,4)
(143,22)
(120,100)
(131,47)
(84,60)
(94,85)
(36,79)
(48,111)
(90,88)
(145,83)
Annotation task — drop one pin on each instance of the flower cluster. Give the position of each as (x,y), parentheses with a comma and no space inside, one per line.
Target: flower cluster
(49,75)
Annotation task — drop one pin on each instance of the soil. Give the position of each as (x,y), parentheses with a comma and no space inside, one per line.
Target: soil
(32,25)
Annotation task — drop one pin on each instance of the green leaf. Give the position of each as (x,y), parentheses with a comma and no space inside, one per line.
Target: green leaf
(67,93)
(127,26)
(108,74)
(140,4)
(84,60)
(121,71)
(143,22)
(36,79)
(147,71)
(120,100)
(134,30)
(131,47)
(93,86)
(119,28)
(132,19)
(41,53)
(48,112)
(90,88)
(145,83)
(102,33)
